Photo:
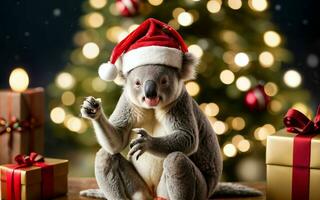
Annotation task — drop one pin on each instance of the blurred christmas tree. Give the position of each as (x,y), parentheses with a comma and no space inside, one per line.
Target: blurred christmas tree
(240,85)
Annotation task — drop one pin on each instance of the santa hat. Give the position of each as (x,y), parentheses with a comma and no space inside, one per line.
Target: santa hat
(153,42)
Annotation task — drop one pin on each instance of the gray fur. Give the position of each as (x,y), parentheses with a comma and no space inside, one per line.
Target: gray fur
(174,133)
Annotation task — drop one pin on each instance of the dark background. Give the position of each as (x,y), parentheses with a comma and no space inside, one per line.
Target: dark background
(38,36)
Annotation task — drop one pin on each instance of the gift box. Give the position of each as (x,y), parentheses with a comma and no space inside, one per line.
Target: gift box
(33,178)
(293,159)
(21,123)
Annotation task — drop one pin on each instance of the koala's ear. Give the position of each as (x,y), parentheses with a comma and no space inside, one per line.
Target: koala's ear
(120,79)
(188,69)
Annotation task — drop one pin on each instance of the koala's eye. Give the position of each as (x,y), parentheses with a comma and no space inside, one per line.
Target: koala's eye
(164,80)
(138,83)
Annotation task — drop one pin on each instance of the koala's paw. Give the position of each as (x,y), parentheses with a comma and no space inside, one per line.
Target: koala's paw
(91,108)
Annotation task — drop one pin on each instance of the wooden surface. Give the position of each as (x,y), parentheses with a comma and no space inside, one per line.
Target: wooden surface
(78,184)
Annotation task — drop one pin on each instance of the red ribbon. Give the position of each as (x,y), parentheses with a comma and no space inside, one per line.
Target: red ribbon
(306,129)
(14,176)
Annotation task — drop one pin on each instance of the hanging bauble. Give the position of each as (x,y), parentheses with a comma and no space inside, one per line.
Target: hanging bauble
(128,8)
(256,98)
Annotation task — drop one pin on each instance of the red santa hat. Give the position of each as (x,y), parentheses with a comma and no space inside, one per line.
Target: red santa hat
(153,42)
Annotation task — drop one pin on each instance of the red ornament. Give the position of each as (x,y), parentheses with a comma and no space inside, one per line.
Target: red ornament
(256,98)
(128,8)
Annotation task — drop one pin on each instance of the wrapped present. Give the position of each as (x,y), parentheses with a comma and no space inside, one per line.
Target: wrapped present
(21,123)
(34,177)
(293,159)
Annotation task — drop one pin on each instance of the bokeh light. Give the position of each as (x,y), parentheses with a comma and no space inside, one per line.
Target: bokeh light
(185,19)
(235,4)
(98,4)
(214,6)
(90,50)
(95,20)
(19,80)
(258,5)
(266,59)
(57,115)
(241,59)
(195,50)
(65,81)
(211,109)
(227,77)
(243,145)
(238,123)
(272,38)
(155,2)
(229,150)
(292,78)
(193,88)
(271,89)
(219,127)
(68,98)
(243,83)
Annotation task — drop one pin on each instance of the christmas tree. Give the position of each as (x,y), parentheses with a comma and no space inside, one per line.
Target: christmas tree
(241,84)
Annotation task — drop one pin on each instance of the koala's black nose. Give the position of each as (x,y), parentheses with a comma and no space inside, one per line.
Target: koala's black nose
(150,89)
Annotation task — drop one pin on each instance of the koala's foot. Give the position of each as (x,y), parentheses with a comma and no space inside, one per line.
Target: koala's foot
(183,179)
(91,108)
(117,178)
(93,193)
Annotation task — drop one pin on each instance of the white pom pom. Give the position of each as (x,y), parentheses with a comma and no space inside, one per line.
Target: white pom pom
(108,71)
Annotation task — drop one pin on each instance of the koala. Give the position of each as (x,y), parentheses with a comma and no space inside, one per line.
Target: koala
(173,152)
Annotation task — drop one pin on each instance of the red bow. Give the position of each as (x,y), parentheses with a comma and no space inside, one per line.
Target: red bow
(29,160)
(297,122)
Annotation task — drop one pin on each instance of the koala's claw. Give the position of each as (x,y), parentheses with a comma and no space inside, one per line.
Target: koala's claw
(91,108)
(141,144)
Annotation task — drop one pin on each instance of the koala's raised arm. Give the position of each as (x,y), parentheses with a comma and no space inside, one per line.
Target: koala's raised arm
(181,123)
(111,134)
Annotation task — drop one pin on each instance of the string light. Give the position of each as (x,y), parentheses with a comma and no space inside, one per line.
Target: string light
(272,38)
(185,19)
(65,81)
(241,59)
(57,115)
(219,127)
(90,50)
(266,59)
(243,83)
(292,78)
(235,4)
(238,123)
(258,5)
(195,50)
(227,77)
(229,150)
(155,2)
(193,88)
(214,6)
(98,4)
(271,89)
(68,98)
(211,109)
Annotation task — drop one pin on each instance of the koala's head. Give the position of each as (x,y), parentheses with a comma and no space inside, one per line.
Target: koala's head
(155,86)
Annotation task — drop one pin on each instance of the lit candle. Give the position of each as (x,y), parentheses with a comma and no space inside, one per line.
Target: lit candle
(21,118)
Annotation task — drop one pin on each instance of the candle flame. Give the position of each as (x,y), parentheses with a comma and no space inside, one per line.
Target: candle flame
(19,80)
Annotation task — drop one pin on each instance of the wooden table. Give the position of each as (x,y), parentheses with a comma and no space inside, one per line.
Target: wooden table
(78,184)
